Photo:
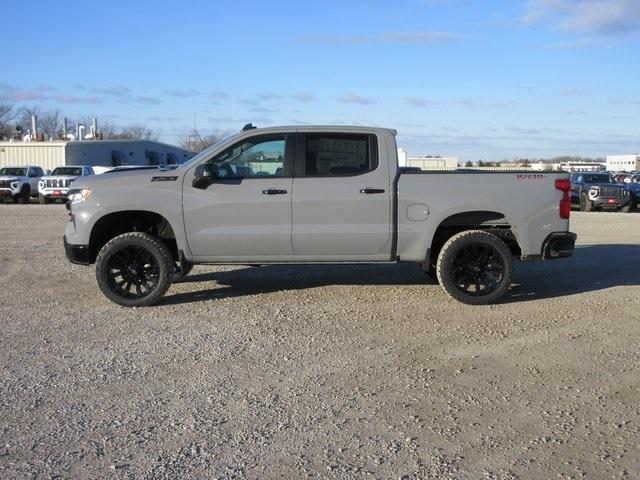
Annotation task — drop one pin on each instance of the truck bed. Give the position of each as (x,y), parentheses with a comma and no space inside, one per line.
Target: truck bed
(527,201)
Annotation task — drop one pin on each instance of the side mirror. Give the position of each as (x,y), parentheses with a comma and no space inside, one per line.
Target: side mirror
(204,176)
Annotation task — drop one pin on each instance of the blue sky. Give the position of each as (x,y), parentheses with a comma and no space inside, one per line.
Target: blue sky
(477,79)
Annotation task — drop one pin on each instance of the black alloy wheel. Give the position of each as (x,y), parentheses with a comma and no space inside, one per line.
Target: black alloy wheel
(134,269)
(477,269)
(474,267)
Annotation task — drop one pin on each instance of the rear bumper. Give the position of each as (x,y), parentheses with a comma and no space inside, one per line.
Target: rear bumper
(558,245)
(78,254)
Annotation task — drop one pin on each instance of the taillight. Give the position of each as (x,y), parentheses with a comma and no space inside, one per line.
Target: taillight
(564,185)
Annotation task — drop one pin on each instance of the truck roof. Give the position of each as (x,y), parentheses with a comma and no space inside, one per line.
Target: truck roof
(321,128)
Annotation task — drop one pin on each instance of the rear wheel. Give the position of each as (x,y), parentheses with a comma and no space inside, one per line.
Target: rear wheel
(474,267)
(585,203)
(134,269)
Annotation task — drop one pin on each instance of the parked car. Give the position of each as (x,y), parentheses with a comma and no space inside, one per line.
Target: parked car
(339,198)
(56,185)
(20,183)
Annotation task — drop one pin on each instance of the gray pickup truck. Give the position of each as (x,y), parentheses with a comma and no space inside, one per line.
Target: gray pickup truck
(313,194)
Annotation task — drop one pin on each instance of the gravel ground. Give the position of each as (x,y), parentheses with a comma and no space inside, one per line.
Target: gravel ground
(319,371)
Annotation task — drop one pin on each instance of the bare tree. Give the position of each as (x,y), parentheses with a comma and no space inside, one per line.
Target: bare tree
(50,124)
(131,132)
(6,116)
(196,142)
(23,117)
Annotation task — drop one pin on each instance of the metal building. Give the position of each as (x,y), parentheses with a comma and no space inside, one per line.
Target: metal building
(106,153)
(623,163)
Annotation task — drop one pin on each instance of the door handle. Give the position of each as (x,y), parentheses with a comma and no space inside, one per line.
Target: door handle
(369,191)
(274,191)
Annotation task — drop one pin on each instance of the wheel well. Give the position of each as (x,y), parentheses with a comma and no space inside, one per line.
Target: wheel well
(114,224)
(488,221)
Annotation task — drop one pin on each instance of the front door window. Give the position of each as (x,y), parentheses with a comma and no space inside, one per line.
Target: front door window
(258,157)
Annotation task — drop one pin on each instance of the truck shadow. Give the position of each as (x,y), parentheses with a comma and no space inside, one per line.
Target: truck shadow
(591,268)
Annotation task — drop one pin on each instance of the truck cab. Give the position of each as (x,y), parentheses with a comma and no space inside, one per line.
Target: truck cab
(314,194)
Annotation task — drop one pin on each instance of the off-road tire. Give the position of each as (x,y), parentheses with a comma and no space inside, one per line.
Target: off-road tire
(628,208)
(585,204)
(455,245)
(155,248)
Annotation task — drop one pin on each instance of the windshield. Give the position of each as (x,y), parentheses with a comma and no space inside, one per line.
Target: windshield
(205,153)
(18,172)
(597,178)
(74,171)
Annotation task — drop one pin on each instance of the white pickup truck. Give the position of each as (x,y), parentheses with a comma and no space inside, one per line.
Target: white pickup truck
(20,183)
(56,185)
(314,194)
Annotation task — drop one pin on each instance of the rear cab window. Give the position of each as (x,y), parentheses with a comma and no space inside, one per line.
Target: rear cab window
(335,154)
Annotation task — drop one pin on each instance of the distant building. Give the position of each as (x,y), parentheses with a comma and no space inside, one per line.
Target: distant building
(623,163)
(544,166)
(96,153)
(427,163)
(582,166)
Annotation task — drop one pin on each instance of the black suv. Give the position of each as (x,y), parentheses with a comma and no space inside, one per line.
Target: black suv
(598,190)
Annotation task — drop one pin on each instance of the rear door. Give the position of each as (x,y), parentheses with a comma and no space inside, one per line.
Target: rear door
(341,197)
(246,212)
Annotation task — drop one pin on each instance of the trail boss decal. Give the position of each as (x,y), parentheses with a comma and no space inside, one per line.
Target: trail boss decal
(163,179)
(530,177)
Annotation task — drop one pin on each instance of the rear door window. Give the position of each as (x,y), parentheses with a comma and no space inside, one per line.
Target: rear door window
(329,154)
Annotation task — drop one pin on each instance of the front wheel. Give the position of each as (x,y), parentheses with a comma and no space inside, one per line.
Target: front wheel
(134,269)
(585,204)
(24,196)
(628,208)
(474,267)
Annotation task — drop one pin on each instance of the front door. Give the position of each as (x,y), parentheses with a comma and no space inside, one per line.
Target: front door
(246,211)
(341,198)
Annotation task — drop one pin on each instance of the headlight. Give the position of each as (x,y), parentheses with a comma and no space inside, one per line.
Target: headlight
(14,185)
(77,195)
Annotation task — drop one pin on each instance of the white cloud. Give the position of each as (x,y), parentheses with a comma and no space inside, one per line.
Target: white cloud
(594,17)
(411,38)
(355,98)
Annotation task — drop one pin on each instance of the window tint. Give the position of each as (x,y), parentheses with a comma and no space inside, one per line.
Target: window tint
(334,154)
(253,158)
(18,172)
(74,171)
(597,179)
